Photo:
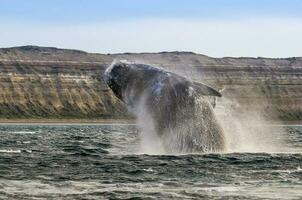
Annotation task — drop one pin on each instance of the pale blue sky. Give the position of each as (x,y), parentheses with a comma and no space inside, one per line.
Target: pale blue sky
(269,28)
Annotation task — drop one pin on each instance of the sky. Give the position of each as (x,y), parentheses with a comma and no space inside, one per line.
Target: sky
(217,28)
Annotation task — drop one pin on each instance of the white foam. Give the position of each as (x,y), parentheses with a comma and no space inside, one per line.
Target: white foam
(23,132)
(9,151)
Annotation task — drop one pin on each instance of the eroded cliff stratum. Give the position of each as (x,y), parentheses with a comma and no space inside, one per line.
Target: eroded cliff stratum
(51,83)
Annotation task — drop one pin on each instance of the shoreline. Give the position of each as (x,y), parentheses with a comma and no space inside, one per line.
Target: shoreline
(66,121)
(108,121)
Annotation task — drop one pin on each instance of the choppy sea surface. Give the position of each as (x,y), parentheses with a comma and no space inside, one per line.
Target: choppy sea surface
(101,162)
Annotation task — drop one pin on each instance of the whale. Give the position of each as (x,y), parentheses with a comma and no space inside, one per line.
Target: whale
(182,114)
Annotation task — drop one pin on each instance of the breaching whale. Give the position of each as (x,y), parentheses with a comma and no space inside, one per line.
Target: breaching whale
(183,118)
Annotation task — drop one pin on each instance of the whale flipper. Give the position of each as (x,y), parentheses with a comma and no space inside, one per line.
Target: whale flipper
(206,90)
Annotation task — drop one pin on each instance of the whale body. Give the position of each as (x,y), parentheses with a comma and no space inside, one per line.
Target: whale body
(183,118)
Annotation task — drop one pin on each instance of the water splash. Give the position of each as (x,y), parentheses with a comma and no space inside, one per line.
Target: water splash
(186,137)
(247,130)
(150,142)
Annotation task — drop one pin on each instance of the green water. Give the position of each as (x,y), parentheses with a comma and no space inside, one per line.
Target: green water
(101,162)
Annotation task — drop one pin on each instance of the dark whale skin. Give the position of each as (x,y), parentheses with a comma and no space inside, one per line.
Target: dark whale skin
(182,115)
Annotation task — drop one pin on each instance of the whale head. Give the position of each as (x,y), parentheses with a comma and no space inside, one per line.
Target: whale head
(127,80)
(130,81)
(116,77)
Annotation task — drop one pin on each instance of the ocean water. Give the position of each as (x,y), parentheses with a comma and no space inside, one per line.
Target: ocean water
(105,162)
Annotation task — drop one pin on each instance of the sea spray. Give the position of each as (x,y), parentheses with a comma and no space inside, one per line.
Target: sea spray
(150,142)
(246,127)
(180,137)
(247,130)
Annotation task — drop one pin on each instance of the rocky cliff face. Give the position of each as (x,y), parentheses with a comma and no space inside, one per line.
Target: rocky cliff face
(41,82)
(52,83)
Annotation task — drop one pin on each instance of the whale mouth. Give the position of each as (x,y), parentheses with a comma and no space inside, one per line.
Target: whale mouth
(108,77)
(108,73)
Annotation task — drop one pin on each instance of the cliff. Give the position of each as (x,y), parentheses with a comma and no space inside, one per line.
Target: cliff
(51,83)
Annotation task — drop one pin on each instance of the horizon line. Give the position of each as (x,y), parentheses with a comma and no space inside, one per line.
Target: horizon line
(155,52)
